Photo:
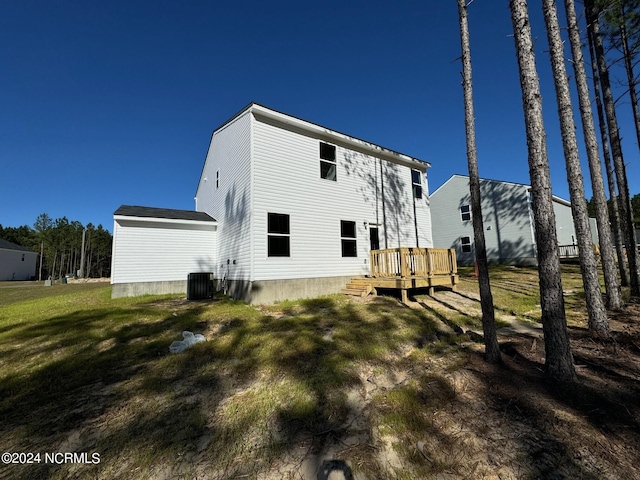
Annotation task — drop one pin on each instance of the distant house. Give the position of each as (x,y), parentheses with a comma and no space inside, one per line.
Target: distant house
(297,209)
(507,216)
(16,262)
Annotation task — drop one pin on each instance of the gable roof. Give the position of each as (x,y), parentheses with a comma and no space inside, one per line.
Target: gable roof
(7,245)
(523,185)
(329,135)
(168,213)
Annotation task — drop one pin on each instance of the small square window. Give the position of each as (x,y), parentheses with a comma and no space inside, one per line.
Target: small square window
(278,246)
(328,170)
(279,223)
(327,152)
(465,242)
(465,213)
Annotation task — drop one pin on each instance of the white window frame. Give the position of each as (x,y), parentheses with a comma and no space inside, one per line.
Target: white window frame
(466,212)
(324,160)
(465,247)
(353,239)
(416,186)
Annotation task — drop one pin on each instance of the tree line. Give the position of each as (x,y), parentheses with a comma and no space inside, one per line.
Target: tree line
(60,243)
(610,31)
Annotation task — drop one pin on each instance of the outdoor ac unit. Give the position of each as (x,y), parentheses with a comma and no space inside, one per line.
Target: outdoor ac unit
(199,286)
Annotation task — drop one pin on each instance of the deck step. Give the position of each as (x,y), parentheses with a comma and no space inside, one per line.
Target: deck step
(355,292)
(361,281)
(358,287)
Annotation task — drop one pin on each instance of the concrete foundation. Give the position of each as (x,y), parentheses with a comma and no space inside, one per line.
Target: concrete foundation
(270,291)
(148,288)
(258,292)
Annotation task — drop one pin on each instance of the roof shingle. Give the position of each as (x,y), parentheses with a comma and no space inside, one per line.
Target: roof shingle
(152,212)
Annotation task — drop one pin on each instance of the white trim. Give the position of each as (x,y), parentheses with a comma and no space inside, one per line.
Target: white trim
(165,220)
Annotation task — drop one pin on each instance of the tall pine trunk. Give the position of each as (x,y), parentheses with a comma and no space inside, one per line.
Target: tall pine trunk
(598,321)
(611,182)
(492,349)
(616,149)
(624,39)
(559,361)
(607,253)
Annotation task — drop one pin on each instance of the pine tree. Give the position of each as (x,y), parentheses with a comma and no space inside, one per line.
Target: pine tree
(614,215)
(559,360)
(492,349)
(598,322)
(616,149)
(607,253)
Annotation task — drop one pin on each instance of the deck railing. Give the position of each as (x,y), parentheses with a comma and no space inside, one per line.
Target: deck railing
(407,262)
(571,251)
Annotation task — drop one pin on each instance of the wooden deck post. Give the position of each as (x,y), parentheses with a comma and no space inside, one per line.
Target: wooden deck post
(404,262)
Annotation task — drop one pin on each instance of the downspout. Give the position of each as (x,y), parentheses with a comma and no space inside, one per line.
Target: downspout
(415,214)
(384,212)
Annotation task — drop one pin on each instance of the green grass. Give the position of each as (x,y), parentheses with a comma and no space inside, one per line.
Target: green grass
(80,371)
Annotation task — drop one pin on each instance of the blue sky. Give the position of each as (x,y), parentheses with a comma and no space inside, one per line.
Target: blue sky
(111,103)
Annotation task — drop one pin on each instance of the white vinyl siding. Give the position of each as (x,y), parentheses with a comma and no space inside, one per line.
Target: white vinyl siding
(565,230)
(226,196)
(286,180)
(17,264)
(505,214)
(154,251)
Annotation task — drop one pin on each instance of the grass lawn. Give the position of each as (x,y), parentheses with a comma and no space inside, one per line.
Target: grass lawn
(368,387)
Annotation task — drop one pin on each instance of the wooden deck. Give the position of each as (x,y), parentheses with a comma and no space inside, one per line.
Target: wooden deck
(406,268)
(570,253)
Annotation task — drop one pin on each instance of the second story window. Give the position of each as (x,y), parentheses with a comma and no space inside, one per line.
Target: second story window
(416,181)
(328,161)
(465,213)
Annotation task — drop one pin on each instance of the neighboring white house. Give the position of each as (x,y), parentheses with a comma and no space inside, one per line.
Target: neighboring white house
(507,218)
(16,262)
(154,249)
(298,206)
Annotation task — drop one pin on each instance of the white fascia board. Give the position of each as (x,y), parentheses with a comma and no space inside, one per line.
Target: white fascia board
(19,251)
(556,199)
(213,223)
(561,201)
(340,138)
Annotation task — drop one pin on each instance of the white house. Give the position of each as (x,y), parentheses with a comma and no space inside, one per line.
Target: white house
(155,249)
(507,217)
(298,206)
(16,262)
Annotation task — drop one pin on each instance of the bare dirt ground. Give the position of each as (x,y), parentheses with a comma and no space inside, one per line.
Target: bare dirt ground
(418,413)
(507,422)
(491,421)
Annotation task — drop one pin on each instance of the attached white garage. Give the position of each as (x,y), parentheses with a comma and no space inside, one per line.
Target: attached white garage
(155,249)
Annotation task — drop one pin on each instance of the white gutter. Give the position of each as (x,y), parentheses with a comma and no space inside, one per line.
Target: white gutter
(165,220)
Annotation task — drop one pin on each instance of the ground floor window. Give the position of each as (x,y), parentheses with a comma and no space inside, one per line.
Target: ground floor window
(279,233)
(348,238)
(466,244)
